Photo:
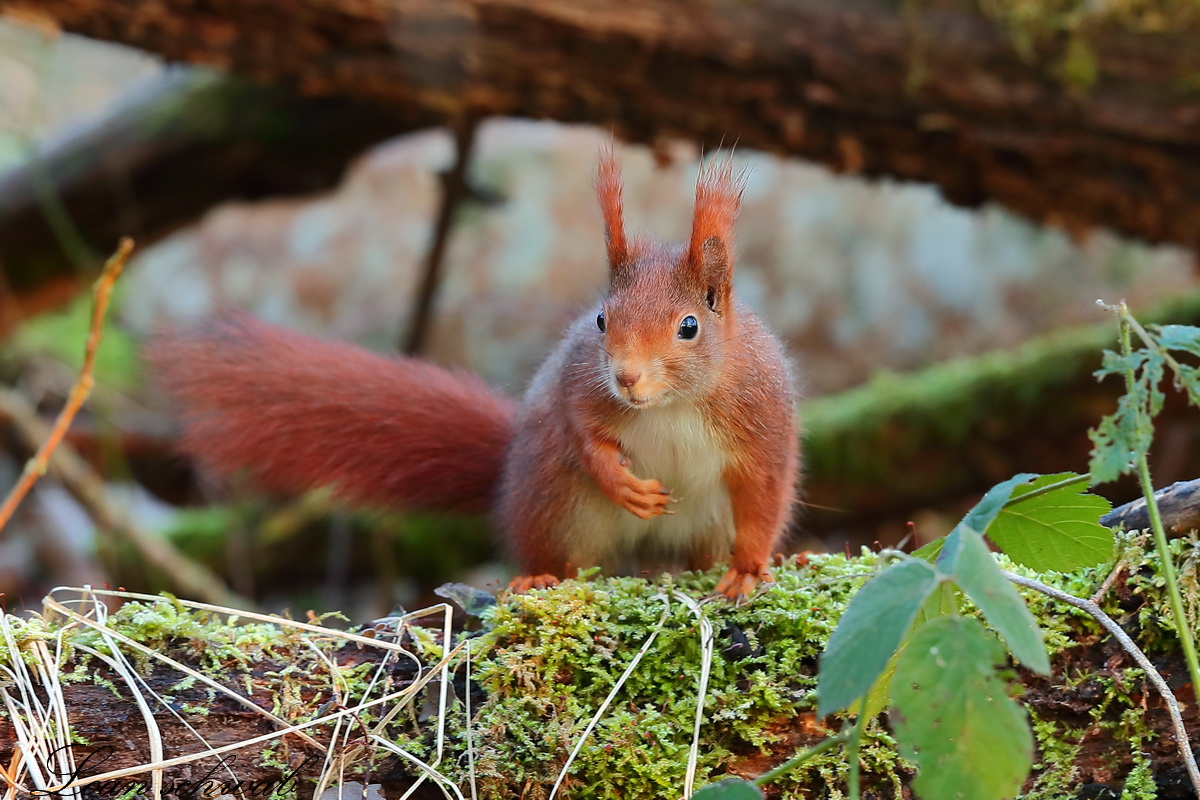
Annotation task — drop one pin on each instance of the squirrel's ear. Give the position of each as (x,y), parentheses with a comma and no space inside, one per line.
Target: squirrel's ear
(709,258)
(608,190)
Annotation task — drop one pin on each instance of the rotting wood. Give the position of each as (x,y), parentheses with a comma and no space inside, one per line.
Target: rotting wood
(1080,121)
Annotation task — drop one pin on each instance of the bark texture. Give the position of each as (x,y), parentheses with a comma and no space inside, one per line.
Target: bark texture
(1086,117)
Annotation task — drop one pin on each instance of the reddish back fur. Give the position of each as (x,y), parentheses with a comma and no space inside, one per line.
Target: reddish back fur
(297,413)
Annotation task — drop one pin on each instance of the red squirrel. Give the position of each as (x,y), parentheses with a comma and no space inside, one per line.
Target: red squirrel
(659,431)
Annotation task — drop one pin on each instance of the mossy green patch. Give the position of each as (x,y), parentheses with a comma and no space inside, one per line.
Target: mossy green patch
(870,433)
(1063,33)
(545,662)
(550,658)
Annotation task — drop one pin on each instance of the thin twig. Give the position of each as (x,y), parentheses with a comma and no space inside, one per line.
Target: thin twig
(36,466)
(454,191)
(1099,594)
(78,478)
(1110,625)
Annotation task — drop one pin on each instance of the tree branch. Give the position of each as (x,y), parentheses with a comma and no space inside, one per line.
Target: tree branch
(1076,123)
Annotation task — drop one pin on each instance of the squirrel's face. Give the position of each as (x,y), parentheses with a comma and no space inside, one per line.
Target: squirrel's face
(668,315)
(659,339)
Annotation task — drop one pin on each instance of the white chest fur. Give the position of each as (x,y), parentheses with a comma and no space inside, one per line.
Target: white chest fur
(674,445)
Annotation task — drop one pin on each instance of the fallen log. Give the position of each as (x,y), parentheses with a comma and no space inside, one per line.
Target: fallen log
(1079,119)
(538,671)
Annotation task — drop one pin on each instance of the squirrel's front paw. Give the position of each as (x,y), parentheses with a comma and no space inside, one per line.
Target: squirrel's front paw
(523,583)
(646,499)
(738,585)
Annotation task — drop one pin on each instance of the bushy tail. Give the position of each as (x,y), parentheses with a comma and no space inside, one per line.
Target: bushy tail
(296,413)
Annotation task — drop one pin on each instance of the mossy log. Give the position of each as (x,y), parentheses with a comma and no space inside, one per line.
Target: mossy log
(937,438)
(542,664)
(1070,112)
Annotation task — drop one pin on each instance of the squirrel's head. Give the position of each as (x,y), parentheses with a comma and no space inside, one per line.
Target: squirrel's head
(669,311)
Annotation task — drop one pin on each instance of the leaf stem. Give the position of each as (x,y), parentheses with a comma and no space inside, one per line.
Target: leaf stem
(800,758)
(1050,487)
(1168,568)
(1142,464)
(852,749)
(1148,340)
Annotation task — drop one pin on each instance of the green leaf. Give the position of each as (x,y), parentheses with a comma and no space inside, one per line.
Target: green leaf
(1189,377)
(1112,363)
(1179,337)
(729,789)
(879,697)
(1185,338)
(869,632)
(941,601)
(1126,434)
(930,551)
(978,574)
(1059,530)
(980,517)
(953,715)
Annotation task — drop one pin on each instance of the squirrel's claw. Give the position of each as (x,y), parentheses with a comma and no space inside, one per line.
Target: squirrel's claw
(738,586)
(645,499)
(523,583)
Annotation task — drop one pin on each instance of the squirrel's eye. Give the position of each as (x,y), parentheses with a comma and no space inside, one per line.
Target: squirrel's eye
(600,321)
(689,327)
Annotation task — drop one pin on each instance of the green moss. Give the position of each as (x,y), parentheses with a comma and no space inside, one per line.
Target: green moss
(1060,33)
(552,657)
(869,433)
(860,432)
(1139,783)
(547,660)
(1055,772)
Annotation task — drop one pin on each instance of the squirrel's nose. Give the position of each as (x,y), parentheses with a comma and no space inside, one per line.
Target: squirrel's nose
(628,379)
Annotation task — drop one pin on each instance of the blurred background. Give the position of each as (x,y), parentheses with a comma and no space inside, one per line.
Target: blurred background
(933,208)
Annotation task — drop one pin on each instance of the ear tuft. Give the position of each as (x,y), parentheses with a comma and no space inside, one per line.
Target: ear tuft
(708,262)
(718,198)
(608,190)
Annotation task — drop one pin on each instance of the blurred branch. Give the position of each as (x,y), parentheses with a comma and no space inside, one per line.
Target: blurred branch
(87,488)
(36,466)
(74,473)
(454,190)
(1178,503)
(1080,122)
(165,155)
